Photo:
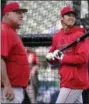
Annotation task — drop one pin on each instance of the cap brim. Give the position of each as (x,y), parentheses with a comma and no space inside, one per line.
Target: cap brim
(71,12)
(22,10)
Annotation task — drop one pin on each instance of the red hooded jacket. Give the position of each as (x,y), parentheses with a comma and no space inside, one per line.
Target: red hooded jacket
(74,65)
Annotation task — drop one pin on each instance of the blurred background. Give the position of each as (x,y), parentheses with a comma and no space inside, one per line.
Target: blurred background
(40,23)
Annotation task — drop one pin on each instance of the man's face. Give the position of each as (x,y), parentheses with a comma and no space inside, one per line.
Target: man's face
(69,19)
(16,18)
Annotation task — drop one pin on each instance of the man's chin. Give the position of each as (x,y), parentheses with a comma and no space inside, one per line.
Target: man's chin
(71,25)
(18,26)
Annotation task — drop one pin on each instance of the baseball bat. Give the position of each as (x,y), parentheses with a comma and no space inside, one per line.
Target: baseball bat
(75,42)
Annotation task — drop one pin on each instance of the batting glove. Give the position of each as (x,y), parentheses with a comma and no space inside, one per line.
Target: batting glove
(58,55)
(50,56)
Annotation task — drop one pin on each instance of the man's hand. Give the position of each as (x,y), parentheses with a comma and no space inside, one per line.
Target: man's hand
(55,55)
(50,56)
(8,92)
(58,55)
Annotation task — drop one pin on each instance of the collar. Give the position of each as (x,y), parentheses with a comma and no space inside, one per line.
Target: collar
(72,30)
(8,26)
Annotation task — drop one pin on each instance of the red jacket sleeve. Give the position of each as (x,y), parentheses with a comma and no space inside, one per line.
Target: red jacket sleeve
(53,46)
(7,41)
(4,43)
(52,49)
(80,56)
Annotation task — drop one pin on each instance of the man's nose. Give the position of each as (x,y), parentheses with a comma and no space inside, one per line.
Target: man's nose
(21,15)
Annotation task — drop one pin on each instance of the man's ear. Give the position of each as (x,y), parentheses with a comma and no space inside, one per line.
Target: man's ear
(61,18)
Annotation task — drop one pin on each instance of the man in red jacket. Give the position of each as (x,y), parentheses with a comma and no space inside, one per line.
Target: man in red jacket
(73,62)
(32,87)
(15,67)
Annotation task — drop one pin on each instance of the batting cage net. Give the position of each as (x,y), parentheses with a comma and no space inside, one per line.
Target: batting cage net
(40,23)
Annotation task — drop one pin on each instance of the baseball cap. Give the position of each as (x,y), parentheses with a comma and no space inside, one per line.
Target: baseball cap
(13,6)
(67,9)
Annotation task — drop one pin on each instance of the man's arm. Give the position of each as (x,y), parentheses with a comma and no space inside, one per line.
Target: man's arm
(8,91)
(35,66)
(4,77)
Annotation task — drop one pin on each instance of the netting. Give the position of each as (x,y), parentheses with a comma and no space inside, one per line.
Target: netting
(41,15)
